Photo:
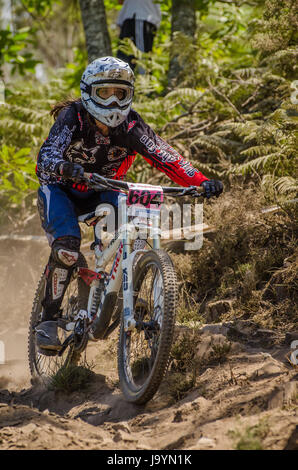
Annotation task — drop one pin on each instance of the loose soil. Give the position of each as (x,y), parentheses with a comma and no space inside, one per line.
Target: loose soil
(246,398)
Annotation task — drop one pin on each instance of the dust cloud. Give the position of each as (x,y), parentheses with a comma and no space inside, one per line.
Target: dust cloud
(21,265)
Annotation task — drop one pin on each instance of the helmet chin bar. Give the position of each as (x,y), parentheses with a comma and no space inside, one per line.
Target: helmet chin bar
(114,120)
(111,117)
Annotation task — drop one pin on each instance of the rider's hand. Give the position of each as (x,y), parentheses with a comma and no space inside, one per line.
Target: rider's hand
(212,188)
(70,170)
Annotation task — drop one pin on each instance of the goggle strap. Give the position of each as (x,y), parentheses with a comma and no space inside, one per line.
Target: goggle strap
(115,82)
(86,87)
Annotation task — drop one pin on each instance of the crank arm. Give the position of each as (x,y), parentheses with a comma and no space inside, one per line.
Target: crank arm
(148,325)
(65,324)
(65,344)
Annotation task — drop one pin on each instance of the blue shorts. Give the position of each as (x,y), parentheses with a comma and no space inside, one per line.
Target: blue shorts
(59,208)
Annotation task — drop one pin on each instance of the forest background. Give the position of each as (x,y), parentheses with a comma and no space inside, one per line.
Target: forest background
(220,86)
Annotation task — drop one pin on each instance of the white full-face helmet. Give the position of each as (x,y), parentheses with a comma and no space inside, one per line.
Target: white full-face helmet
(99,78)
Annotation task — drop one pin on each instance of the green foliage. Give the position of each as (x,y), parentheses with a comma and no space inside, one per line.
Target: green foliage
(277,30)
(17,175)
(251,437)
(183,366)
(42,8)
(74,70)
(25,123)
(71,378)
(13,51)
(25,118)
(231,114)
(112,5)
(241,102)
(272,147)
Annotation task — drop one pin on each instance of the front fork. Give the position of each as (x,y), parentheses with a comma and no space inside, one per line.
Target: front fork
(128,262)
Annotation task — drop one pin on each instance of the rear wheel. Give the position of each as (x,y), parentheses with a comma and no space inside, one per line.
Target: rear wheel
(43,367)
(143,353)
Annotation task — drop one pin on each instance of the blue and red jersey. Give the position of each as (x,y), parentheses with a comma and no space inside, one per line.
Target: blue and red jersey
(74,138)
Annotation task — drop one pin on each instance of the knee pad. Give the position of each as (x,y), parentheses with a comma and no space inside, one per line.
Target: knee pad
(65,251)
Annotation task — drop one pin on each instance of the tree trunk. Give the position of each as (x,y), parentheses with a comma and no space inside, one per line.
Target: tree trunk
(6,14)
(183,21)
(94,19)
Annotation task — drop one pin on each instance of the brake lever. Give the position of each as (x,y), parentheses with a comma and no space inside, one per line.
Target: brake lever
(94,181)
(98,179)
(203,194)
(192,191)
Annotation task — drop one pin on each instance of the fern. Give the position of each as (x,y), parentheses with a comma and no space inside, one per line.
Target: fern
(258,151)
(286,184)
(25,112)
(207,168)
(184,93)
(249,72)
(260,163)
(19,126)
(209,143)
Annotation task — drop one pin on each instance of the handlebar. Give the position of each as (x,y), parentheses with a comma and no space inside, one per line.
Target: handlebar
(96,181)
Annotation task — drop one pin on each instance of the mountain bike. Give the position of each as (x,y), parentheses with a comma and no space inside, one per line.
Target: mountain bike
(138,294)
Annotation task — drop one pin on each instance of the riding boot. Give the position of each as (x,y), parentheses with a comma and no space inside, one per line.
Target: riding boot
(58,273)
(56,285)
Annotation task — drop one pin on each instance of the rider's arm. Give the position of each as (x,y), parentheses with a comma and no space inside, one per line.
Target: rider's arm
(161,155)
(51,152)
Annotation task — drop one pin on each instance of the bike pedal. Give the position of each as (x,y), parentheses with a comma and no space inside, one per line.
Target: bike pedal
(48,352)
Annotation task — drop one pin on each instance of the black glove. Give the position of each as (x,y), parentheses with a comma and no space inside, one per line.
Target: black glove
(212,188)
(70,170)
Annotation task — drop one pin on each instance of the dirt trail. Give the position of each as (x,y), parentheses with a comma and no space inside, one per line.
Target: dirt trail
(249,398)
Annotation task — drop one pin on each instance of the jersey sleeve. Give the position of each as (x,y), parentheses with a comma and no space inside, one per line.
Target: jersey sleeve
(59,139)
(161,155)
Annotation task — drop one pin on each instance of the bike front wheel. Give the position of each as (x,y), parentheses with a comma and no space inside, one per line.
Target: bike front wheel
(143,353)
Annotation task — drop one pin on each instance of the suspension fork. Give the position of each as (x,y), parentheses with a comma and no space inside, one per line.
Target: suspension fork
(155,232)
(127,272)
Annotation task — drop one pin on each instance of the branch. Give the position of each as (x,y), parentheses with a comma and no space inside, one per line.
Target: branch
(213,88)
(187,113)
(241,2)
(202,126)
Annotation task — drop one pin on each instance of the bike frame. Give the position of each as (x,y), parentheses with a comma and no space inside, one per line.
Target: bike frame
(139,213)
(143,220)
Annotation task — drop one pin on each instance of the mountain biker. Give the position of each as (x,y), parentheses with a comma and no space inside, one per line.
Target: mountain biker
(101,133)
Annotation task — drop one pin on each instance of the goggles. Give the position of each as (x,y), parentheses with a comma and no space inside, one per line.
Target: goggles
(106,94)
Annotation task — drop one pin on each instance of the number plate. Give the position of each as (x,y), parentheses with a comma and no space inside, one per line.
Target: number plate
(144,199)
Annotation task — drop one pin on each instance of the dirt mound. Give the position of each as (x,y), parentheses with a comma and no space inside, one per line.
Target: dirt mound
(246,400)
(235,388)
